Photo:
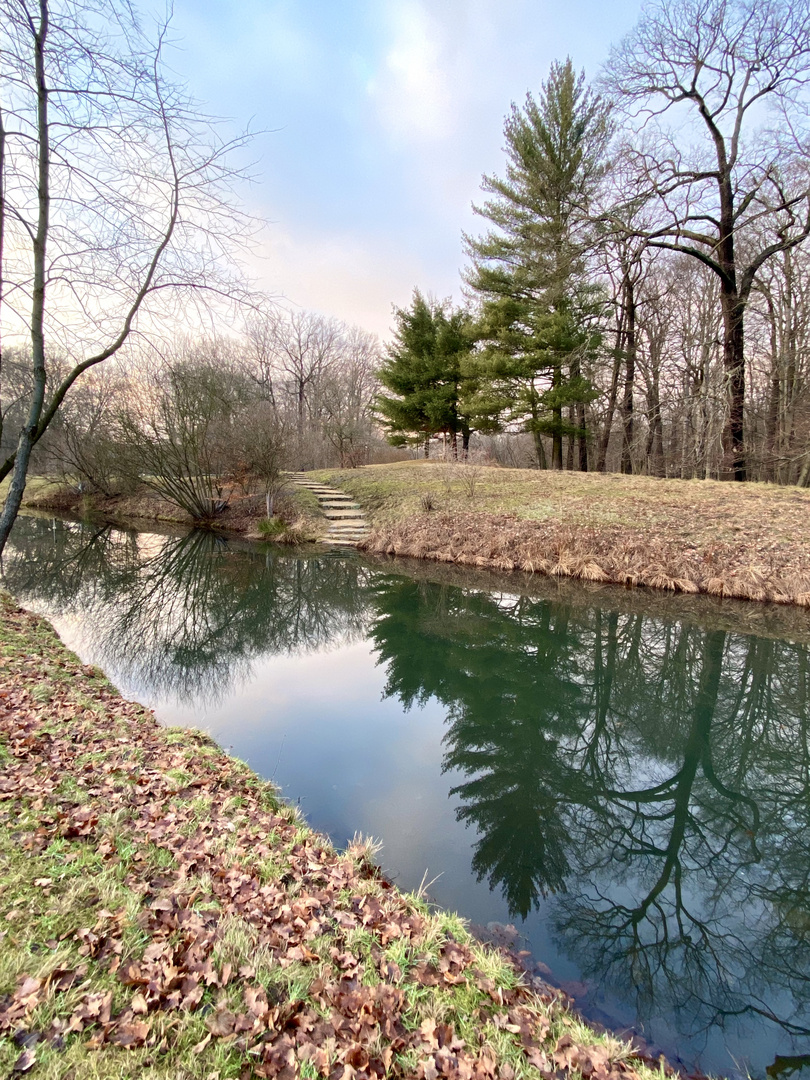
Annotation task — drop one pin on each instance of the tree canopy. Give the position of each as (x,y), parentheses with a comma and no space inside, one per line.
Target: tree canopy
(537,313)
(424,373)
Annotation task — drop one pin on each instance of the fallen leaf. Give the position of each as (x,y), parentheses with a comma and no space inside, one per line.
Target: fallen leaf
(24,1062)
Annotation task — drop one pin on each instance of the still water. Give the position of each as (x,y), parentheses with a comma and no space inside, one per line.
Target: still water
(624,780)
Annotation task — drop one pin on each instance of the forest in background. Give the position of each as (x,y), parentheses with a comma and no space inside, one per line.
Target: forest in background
(637,300)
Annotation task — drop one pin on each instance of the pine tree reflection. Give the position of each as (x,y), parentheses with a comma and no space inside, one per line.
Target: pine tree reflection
(657,773)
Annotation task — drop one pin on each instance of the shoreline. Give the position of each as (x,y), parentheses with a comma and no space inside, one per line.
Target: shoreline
(505,545)
(696,537)
(190,918)
(573,541)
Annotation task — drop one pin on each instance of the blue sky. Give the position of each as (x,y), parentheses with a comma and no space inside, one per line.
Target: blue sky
(379,118)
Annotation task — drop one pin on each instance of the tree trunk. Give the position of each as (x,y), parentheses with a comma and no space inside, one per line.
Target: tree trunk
(569,456)
(774,396)
(655,439)
(734,368)
(582,438)
(556,435)
(629,376)
(16,490)
(540,450)
(613,393)
(577,417)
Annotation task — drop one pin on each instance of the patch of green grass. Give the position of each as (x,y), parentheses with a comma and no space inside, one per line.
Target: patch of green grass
(271,527)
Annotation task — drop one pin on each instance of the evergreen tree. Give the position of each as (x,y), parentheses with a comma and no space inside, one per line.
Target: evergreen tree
(538,313)
(424,373)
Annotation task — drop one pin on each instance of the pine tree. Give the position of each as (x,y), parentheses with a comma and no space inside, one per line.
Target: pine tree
(537,320)
(423,372)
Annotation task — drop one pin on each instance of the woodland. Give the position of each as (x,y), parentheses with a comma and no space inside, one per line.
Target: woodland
(637,299)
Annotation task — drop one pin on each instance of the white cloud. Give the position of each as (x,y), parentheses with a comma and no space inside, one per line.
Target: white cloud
(336,273)
(412,89)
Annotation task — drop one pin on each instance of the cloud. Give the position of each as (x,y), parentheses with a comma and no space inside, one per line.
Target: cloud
(411,89)
(338,273)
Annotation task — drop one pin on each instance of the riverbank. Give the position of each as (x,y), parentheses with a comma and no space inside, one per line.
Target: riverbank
(298,518)
(749,541)
(163,915)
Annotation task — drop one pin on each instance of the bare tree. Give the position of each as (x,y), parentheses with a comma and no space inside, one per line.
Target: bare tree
(733,75)
(347,397)
(184,428)
(114,196)
(83,439)
(299,347)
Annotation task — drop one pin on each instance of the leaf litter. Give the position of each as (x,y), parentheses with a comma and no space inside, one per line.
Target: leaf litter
(157,900)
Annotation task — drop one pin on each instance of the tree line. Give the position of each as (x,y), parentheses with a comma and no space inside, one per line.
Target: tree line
(636,301)
(639,299)
(211,419)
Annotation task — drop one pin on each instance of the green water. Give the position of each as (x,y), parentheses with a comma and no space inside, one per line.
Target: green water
(623,778)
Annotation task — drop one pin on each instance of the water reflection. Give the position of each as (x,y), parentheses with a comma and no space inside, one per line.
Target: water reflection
(185,615)
(651,777)
(656,773)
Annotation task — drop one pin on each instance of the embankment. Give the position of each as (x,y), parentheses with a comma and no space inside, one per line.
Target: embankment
(747,541)
(164,915)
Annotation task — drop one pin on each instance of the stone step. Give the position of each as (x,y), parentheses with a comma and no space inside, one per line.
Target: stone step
(347,522)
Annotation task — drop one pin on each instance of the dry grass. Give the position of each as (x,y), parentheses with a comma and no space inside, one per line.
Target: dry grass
(746,541)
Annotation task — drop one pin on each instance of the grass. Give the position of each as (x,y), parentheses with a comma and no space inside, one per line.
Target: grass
(163,915)
(750,541)
(35,487)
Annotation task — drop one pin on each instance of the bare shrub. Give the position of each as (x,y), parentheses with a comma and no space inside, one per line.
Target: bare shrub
(464,474)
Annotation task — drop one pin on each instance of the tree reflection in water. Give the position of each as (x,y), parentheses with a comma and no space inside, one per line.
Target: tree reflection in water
(185,615)
(656,773)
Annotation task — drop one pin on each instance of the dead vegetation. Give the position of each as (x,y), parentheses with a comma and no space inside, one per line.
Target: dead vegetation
(745,541)
(164,916)
(609,554)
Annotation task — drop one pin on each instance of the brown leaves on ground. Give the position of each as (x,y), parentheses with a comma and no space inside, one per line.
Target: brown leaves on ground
(319,912)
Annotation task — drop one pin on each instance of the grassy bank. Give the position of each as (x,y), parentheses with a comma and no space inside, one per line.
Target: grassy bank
(750,541)
(162,915)
(299,518)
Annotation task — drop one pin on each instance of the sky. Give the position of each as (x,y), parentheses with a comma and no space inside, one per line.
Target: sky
(376,121)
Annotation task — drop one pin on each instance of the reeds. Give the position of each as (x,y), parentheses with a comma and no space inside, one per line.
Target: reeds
(608,553)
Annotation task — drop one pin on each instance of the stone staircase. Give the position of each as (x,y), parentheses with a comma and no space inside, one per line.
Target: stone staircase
(347,522)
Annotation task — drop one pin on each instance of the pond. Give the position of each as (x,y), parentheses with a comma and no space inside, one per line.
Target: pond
(616,782)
